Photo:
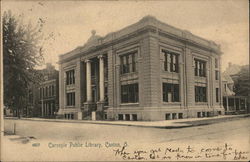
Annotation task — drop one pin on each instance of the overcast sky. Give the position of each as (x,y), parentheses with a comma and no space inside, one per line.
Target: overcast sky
(70,22)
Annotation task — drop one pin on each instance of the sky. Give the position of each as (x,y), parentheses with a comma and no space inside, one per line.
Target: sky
(68,24)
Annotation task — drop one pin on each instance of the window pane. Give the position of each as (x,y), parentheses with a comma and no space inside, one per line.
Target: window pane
(170,92)
(176,93)
(129,93)
(200,94)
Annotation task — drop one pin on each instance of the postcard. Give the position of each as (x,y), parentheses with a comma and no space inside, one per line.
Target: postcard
(125,80)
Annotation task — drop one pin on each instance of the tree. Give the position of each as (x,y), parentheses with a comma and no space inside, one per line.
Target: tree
(22,52)
(242,82)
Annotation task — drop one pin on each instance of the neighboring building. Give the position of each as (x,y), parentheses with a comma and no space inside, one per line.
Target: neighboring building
(43,96)
(49,92)
(236,102)
(232,104)
(146,71)
(32,101)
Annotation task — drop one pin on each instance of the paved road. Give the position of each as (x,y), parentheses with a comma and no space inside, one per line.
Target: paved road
(234,132)
(81,131)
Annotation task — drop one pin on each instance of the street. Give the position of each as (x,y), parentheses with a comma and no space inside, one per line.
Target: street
(54,136)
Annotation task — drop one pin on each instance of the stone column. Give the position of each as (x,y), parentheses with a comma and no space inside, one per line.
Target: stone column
(181,82)
(100,103)
(51,109)
(45,109)
(239,105)
(101,77)
(227,104)
(245,100)
(88,80)
(234,104)
(42,109)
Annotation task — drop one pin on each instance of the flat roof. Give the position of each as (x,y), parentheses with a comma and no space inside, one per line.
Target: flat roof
(147,21)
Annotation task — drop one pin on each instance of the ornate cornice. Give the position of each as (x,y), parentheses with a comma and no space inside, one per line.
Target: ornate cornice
(148,24)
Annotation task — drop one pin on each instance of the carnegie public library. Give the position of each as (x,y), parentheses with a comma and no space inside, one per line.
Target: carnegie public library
(146,71)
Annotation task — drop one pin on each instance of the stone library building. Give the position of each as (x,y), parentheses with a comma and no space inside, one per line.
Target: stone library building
(146,71)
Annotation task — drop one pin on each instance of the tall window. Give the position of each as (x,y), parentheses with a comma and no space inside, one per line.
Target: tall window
(216,75)
(200,94)
(30,96)
(49,90)
(170,92)
(217,95)
(53,89)
(200,68)
(41,92)
(46,91)
(171,61)
(128,63)
(216,63)
(71,99)
(129,93)
(106,99)
(70,77)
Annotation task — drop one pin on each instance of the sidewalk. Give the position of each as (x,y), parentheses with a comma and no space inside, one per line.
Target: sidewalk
(180,123)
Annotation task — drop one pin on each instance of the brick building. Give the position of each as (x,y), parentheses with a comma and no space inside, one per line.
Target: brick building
(146,71)
(49,92)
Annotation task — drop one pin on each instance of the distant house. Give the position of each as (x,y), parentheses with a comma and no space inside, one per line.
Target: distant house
(232,104)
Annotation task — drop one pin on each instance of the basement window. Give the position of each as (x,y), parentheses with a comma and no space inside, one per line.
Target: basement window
(180,116)
(127,117)
(134,117)
(120,116)
(167,117)
(203,114)
(174,116)
(199,114)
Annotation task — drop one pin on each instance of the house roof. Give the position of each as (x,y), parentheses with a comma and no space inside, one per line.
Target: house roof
(232,69)
(227,78)
(228,92)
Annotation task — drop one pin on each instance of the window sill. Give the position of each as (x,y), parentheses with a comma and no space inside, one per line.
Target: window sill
(201,103)
(70,84)
(70,106)
(129,104)
(170,72)
(171,103)
(201,77)
(125,74)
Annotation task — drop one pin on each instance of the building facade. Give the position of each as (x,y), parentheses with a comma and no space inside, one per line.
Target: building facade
(48,101)
(146,71)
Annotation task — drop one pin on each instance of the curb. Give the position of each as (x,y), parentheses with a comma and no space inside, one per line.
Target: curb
(176,124)
(101,123)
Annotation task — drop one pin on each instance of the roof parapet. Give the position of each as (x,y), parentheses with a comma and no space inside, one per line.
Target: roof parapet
(96,40)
